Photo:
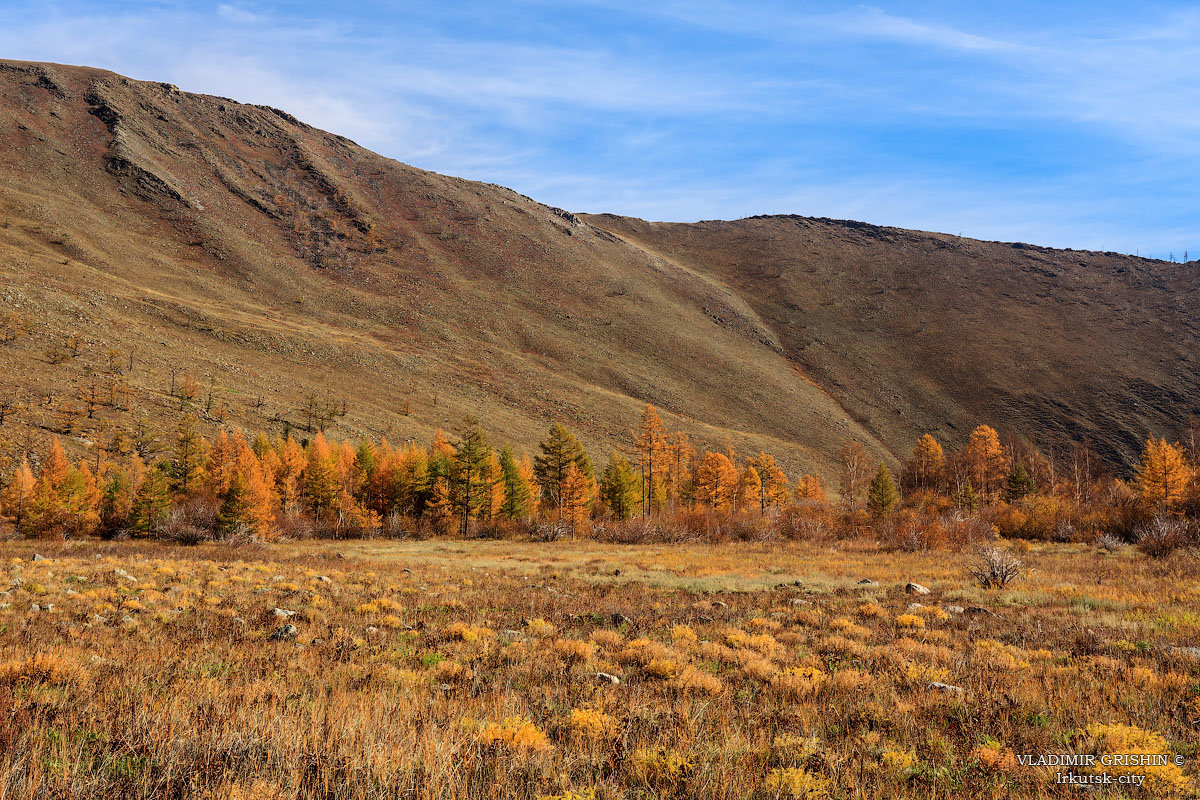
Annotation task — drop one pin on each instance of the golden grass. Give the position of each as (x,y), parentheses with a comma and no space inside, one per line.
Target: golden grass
(413,673)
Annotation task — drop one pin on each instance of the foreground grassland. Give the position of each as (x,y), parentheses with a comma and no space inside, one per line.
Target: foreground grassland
(470,669)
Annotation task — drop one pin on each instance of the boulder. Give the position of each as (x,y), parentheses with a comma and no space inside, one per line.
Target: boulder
(39,557)
(915,588)
(938,686)
(285,634)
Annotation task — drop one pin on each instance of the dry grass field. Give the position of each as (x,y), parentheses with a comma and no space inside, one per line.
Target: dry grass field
(480,669)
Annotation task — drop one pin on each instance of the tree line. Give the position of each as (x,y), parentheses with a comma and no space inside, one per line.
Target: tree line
(272,487)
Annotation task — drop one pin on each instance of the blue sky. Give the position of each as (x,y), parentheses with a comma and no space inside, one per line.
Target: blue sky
(1075,124)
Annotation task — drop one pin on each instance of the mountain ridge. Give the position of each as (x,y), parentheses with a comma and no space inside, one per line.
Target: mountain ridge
(279,262)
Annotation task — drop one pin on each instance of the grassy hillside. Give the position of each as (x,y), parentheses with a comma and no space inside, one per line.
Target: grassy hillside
(148,234)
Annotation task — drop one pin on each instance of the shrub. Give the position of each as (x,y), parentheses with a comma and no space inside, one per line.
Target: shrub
(1161,536)
(995,567)
(191,521)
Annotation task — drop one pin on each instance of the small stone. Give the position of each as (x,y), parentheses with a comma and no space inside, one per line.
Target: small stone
(285,634)
(1194,652)
(34,607)
(720,604)
(616,573)
(605,677)
(938,686)
(915,588)
(324,579)
(798,601)
(39,557)
(283,613)
(407,570)
(867,582)
(915,606)
(979,611)
(953,609)
(127,619)
(619,619)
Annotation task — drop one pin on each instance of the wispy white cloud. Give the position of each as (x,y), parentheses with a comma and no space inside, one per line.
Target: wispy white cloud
(681,110)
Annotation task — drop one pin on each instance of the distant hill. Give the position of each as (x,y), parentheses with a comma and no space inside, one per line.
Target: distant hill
(285,267)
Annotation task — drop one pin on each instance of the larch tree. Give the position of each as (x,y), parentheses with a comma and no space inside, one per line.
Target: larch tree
(773,489)
(518,494)
(749,489)
(18,494)
(650,440)
(320,488)
(1162,474)
(575,492)
(926,468)
(810,489)
(987,460)
(882,497)
(679,456)
(189,458)
(559,451)
(471,473)
(619,487)
(716,482)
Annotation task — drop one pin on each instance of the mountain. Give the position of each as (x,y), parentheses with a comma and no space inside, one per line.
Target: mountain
(286,268)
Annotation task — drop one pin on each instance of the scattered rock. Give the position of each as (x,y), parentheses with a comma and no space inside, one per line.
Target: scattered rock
(39,557)
(938,686)
(406,569)
(285,634)
(283,613)
(16,584)
(127,619)
(604,677)
(616,573)
(915,606)
(34,607)
(719,604)
(798,601)
(953,609)
(915,588)
(618,619)
(867,582)
(979,611)
(341,555)
(510,633)
(324,579)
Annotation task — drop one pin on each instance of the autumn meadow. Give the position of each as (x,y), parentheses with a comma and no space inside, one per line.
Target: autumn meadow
(318,619)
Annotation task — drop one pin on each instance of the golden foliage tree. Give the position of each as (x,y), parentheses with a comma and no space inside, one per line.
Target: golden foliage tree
(1162,474)
(986,460)
(926,469)
(650,440)
(575,493)
(716,482)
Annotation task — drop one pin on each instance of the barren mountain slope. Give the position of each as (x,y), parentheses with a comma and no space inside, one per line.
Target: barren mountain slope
(915,331)
(276,262)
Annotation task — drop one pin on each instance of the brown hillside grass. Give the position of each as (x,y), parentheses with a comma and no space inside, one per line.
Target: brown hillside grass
(469,669)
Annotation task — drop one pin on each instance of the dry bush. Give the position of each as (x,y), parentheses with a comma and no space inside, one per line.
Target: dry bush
(1161,536)
(192,520)
(994,567)
(807,522)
